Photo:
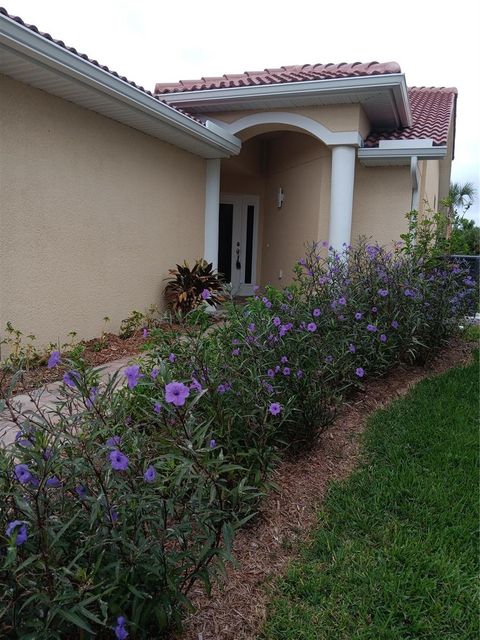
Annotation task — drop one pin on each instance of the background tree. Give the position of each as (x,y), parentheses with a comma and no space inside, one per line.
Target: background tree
(459,200)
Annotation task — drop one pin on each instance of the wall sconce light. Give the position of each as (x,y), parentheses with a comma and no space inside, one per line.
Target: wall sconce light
(280,197)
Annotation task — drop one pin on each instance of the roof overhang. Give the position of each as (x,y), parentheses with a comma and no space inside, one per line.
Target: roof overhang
(34,60)
(400,152)
(383,97)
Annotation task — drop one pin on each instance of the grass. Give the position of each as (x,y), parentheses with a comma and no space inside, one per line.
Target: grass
(395,553)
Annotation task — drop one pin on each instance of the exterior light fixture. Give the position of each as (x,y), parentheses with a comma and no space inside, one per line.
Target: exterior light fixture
(280,197)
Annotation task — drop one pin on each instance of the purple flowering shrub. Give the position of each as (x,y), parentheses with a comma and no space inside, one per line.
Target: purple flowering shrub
(99,521)
(117,502)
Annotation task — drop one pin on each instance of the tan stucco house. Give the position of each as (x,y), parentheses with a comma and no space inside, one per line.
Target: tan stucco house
(105,185)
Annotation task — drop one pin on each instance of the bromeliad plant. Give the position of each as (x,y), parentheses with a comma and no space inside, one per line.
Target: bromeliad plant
(188,287)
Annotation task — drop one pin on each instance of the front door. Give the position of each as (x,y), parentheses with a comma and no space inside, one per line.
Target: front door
(237,242)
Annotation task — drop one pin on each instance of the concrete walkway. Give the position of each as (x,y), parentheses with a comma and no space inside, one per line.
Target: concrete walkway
(46,397)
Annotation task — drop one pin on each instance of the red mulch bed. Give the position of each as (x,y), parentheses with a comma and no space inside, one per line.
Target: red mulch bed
(113,348)
(236,610)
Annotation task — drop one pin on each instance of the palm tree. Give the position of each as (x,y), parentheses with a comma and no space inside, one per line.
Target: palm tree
(460,199)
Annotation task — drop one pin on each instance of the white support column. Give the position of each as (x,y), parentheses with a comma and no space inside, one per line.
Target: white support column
(341,196)
(212,203)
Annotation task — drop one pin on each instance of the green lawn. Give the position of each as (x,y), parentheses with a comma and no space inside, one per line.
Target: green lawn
(395,553)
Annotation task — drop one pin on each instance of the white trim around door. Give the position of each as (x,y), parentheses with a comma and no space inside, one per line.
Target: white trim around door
(238,241)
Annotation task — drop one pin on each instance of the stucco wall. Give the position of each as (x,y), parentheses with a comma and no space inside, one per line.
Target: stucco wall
(381,199)
(428,199)
(299,165)
(92,214)
(340,117)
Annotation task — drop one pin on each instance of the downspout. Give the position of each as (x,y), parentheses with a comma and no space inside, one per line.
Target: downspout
(415,184)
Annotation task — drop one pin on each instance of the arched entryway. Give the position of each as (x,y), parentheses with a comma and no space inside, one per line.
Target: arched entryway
(291,183)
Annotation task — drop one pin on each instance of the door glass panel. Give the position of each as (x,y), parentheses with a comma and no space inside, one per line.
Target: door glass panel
(249,244)
(225,240)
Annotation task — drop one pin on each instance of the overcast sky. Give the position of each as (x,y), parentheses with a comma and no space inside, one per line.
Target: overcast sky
(435,42)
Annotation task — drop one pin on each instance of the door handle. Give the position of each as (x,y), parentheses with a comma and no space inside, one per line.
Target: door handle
(237,264)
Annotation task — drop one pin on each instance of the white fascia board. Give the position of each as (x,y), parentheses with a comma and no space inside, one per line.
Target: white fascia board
(376,156)
(44,52)
(394,82)
(406,144)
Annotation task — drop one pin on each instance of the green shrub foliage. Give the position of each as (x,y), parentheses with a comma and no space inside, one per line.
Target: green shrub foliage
(115,503)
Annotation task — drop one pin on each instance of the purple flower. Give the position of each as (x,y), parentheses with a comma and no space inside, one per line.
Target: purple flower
(342,301)
(54,359)
(70,377)
(22,473)
(251,327)
(196,386)
(275,408)
(374,309)
(329,359)
(408,293)
(316,313)
(236,352)
(53,482)
(133,375)
(120,631)
(150,474)
(212,444)
(358,316)
(47,453)
(172,357)
(206,294)
(352,348)
(383,293)
(284,359)
(118,460)
(282,330)
(113,515)
(154,373)
(81,491)
(371,327)
(360,372)
(145,332)
(221,389)
(312,327)
(271,373)
(235,341)
(299,374)
(276,321)
(157,407)
(114,441)
(266,302)
(383,337)
(286,371)
(20,528)
(395,324)
(302,262)
(176,393)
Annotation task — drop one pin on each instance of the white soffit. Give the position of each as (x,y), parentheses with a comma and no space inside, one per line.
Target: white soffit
(400,153)
(40,63)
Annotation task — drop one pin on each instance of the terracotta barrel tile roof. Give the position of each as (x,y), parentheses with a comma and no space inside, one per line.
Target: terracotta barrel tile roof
(293,73)
(432,109)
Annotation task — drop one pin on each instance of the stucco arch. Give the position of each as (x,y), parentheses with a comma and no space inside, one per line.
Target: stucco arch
(296,122)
